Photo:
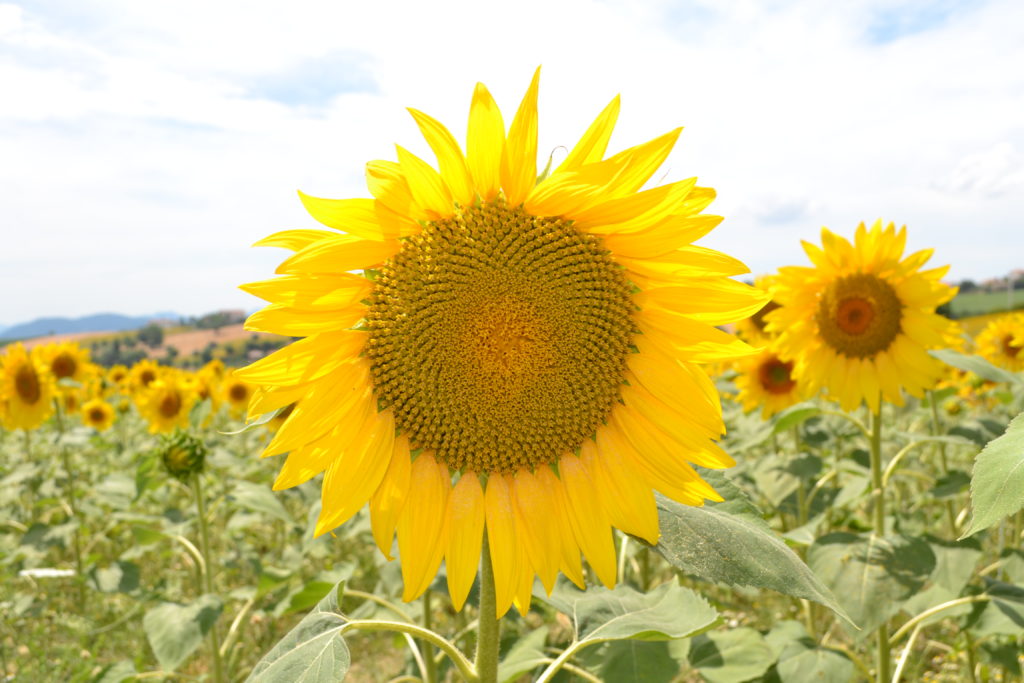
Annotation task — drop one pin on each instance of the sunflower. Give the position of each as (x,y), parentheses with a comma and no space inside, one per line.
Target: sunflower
(26,388)
(116,377)
(237,392)
(98,414)
(66,360)
(861,321)
(142,374)
(768,382)
(752,329)
(166,403)
(519,354)
(1002,342)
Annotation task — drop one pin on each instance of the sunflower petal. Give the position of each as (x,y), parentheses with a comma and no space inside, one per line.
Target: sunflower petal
(466,521)
(519,159)
(485,142)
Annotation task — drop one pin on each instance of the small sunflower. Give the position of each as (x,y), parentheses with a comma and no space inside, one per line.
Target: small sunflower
(752,329)
(98,414)
(116,377)
(768,382)
(66,360)
(1002,342)
(166,403)
(236,392)
(860,322)
(26,388)
(142,374)
(520,354)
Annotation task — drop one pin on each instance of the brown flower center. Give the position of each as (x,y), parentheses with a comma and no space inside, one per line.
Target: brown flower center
(238,392)
(859,315)
(97,415)
(758,318)
(776,376)
(170,405)
(1009,348)
(499,339)
(63,365)
(147,377)
(26,383)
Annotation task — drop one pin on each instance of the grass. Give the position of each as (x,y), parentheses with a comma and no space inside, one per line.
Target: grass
(979,303)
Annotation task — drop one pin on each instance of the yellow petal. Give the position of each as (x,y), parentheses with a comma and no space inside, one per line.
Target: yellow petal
(312,291)
(265,400)
(691,340)
(466,522)
(354,476)
(627,498)
(485,141)
(452,164)
(587,517)
(502,540)
(634,212)
(716,301)
(533,507)
(306,359)
(294,240)
(686,262)
(519,160)
(339,254)
(422,526)
(569,550)
(358,217)
(387,183)
(662,238)
(592,145)
(388,500)
(641,162)
(295,322)
(425,184)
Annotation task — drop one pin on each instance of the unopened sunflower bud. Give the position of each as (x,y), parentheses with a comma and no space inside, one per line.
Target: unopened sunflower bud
(183,455)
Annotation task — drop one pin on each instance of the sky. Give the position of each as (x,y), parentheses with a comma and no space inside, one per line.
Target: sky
(144,146)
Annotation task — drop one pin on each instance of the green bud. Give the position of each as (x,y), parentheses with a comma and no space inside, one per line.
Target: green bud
(183,454)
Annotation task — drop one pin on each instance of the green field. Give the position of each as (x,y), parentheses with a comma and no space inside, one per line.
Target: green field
(977,303)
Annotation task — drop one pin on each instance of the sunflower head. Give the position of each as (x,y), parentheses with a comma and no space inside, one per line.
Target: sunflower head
(236,392)
(1002,342)
(142,375)
(521,354)
(767,382)
(66,360)
(859,322)
(26,388)
(166,403)
(98,414)
(116,376)
(183,455)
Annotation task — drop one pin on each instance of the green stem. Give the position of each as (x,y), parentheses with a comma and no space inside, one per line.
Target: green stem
(487,634)
(463,664)
(884,669)
(76,542)
(936,431)
(425,647)
(204,545)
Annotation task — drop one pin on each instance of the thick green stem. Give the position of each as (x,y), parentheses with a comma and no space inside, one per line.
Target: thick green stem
(208,564)
(884,668)
(425,647)
(487,633)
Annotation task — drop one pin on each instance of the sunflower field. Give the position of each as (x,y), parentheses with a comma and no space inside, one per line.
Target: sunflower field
(530,431)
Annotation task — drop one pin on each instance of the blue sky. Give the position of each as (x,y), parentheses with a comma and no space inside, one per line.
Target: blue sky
(144,146)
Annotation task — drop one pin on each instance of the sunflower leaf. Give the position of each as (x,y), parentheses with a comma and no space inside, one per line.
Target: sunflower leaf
(715,545)
(175,631)
(997,484)
(312,652)
(976,364)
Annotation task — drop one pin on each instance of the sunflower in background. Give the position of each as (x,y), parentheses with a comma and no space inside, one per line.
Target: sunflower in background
(752,330)
(142,374)
(66,360)
(1002,342)
(166,402)
(236,392)
(116,379)
(528,361)
(768,382)
(859,323)
(26,388)
(98,414)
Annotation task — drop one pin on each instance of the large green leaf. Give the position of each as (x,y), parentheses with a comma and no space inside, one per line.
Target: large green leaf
(871,575)
(715,545)
(119,577)
(259,498)
(730,656)
(598,614)
(997,484)
(526,655)
(801,659)
(312,652)
(795,416)
(976,364)
(955,563)
(175,631)
(631,661)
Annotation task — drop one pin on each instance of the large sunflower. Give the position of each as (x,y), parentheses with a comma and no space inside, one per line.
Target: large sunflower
(26,388)
(66,360)
(1002,342)
(518,355)
(98,414)
(861,321)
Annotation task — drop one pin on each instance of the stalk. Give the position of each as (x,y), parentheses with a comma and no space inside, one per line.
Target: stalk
(884,669)
(72,505)
(937,431)
(487,635)
(430,664)
(204,545)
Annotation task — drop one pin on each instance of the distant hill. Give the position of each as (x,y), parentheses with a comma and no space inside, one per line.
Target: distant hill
(113,322)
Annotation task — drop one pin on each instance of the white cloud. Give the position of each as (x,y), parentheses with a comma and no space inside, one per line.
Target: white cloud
(143,146)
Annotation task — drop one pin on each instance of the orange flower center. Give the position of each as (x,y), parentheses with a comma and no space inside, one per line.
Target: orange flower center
(855,315)
(776,376)
(859,315)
